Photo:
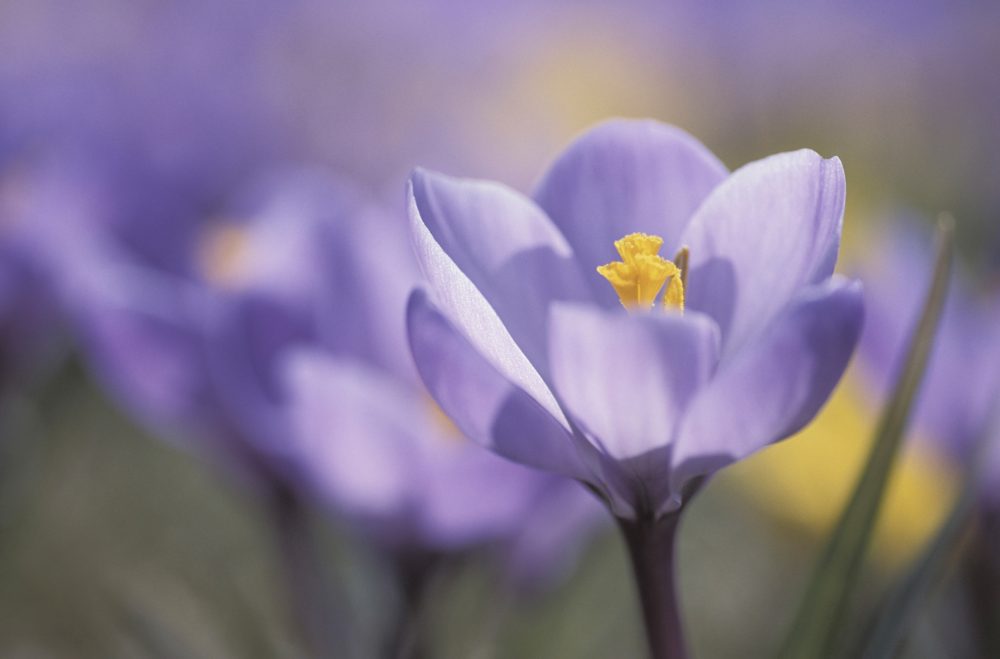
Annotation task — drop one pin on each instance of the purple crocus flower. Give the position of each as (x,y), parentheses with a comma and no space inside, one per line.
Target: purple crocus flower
(525,343)
(42,206)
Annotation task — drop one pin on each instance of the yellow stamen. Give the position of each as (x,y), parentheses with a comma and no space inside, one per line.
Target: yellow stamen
(642,272)
(674,296)
(681,259)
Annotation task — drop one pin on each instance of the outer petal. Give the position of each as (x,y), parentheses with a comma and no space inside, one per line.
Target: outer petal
(373,446)
(486,406)
(625,176)
(465,304)
(628,378)
(503,244)
(767,231)
(775,385)
(357,432)
(470,494)
(144,337)
(244,352)
(554,533)
(372,270)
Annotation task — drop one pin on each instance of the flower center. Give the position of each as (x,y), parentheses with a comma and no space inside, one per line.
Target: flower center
(222,254)
(642,273)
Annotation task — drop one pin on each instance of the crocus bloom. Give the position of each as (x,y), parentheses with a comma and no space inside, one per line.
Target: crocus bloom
(560,336)
(733,345)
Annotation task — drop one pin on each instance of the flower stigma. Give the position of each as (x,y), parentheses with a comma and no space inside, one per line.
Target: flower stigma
(641,274)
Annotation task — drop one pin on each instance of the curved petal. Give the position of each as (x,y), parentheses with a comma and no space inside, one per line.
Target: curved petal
(625,176)
(486,406)
(144,337)
(472,313)
(356,432)
(371,270)
(373,447)
(773,387)
(627,379)
(503,244)
(472,495)
(768,230)
(554,534)
(243,354)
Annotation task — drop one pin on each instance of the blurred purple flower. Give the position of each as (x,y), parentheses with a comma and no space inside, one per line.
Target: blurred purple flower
(528,349)
(41,210)
(958,397)
(288,354)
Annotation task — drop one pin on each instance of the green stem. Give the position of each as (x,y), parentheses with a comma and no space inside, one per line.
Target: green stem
(309,597)
(651,548)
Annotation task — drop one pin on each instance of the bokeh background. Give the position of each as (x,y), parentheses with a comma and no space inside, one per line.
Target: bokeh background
(135,120)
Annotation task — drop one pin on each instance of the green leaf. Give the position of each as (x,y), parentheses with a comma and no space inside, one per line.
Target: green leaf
(897,613)
(819,623)
(151,634)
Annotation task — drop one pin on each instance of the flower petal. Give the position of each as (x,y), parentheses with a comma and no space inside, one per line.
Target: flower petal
(488,407)
(775,385)
(768,230)
(372,446)
(626,176)
(471,494)
(499,340)
(627,378)
(503,244)
(144,337)
(554,534)
(243,352)
(356,431)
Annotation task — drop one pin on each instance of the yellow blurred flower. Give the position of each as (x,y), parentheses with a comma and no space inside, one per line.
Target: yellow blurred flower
(805,481)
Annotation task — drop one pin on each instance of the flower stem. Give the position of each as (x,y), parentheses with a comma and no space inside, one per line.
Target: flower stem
(651,548)
(415,571)
(310,599)
(982,581)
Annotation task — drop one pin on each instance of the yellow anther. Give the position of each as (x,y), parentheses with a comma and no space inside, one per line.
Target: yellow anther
(674,297)
(681,259)
(642,272)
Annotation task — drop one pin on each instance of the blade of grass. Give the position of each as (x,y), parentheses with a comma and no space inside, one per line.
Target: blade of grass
(898,612)
(820,619)
(151,634)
